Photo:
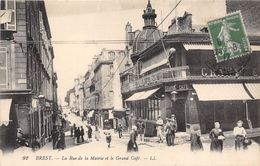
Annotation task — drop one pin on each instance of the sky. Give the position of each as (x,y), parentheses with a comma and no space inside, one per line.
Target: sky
(72,21)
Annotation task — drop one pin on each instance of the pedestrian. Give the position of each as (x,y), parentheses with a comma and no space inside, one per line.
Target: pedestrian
(159,128)
(74,129)
(97,136)
(61,141)
(77,135)
(55,136)
(120,130)
(140,129)
(168,132)
(89,133)
(196,144)
(173,124)
(108,138)
(82,133)
(216,135)
(240,136)
(71,131)
(132,145)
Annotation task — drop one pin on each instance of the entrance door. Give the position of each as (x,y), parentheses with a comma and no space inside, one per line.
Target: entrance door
(178,108)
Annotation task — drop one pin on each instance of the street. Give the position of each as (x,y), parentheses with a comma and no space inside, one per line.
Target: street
(152,153)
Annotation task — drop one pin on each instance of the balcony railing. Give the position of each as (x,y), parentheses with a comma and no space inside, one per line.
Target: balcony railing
(159,77)
(182,73)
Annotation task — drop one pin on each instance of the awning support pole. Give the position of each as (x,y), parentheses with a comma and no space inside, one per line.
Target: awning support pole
(247,117)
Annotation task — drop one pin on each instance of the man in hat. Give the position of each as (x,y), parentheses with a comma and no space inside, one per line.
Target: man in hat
(174,126)
(240,135)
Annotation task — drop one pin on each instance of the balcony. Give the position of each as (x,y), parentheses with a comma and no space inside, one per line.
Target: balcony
(157,78)
(183,73)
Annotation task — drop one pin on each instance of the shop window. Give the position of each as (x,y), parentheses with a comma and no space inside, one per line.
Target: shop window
(3,68)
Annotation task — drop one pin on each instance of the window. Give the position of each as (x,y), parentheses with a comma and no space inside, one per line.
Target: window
(8,15)
(3,67)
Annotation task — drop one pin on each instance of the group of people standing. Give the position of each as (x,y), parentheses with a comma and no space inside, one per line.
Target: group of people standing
(217,137)
(58,138)
(78,133)
(170,128)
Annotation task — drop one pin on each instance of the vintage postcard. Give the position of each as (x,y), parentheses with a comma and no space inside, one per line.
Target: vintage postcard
(130,82)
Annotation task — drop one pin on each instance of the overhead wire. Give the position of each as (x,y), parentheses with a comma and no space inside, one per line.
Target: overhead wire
(146,38)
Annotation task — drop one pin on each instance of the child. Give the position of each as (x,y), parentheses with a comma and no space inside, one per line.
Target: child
(108,138)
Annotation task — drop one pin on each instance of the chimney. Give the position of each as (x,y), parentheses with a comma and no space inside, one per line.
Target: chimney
(181,25)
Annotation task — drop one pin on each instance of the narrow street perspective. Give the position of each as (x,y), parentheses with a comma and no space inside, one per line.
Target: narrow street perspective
(140,82)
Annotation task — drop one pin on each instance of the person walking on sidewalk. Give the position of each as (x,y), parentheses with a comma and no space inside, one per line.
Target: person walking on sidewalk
(195,143)
(159,128)
(89,133)
(240,135)
(97,136)
(77,135)
(82,133)
(140,129)
(120,130)
(174,127)
(168,132)
(108,138)
(55,136)
(61,142)
(216,135)
(132,145)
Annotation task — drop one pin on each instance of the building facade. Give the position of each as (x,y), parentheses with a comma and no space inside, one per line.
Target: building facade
(178,74)
(28,87)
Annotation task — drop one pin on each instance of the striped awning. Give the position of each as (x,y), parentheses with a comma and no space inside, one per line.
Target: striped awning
(254,89)
(213,92)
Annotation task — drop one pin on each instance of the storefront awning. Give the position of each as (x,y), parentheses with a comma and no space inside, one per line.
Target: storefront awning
(5,105)
(254,89)
(135,96)
(148,93)
(255,48)
(213,92)
(142,95)
(90,114)
(197,47)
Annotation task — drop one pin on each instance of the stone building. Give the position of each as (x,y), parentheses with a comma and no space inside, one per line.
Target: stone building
(28,88)
(181,77)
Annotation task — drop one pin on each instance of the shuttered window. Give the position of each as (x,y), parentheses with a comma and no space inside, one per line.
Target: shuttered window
(3,68)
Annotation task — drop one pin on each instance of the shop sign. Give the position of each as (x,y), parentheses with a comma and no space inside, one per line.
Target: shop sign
(177,87)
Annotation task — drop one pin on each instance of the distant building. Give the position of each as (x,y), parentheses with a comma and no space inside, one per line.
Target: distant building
(102,95)
(28,87)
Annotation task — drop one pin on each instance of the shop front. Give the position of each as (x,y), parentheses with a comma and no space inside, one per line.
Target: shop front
(146,106)
(226,103)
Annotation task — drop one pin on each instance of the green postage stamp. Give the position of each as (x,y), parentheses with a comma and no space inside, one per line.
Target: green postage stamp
(228,37)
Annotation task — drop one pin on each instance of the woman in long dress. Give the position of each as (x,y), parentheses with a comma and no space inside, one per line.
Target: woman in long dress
(132,145)
(196,144)
(216,135)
